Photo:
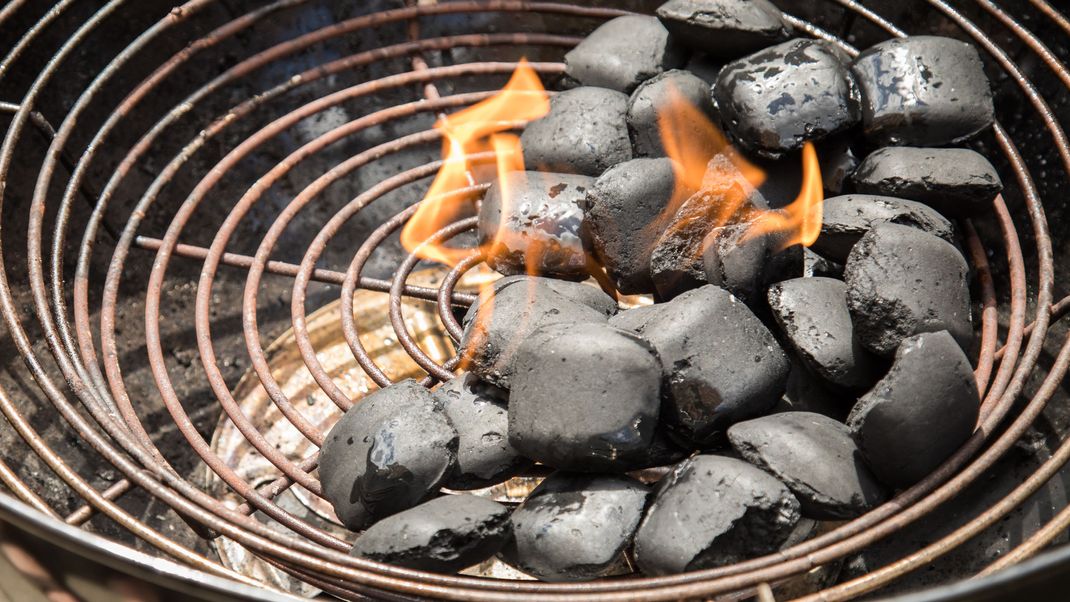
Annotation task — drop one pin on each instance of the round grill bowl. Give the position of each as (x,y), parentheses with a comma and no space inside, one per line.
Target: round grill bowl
(181,185)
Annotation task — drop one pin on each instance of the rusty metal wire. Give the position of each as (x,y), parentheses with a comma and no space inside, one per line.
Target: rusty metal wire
(72,341)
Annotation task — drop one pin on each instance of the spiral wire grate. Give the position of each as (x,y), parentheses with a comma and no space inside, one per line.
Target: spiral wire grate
(107,171)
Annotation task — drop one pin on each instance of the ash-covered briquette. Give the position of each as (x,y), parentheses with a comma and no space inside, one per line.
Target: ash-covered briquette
(744,263)
(920,413)
(388,453)
(534,220)
(957,182)
(806,392)
(585,132)
(624,215)
(712,511)
(725,197)
(923,91)
(444,535)
(721,363)
(584,397)
(845,219)
(813,315)
(657,97)
(478,412)
(815,457)
(902,281)
(623,53)
(574,527)
(774,100)
(510,311)
(726,29)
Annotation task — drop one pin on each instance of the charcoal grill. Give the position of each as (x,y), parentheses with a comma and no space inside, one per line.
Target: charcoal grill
(181,184)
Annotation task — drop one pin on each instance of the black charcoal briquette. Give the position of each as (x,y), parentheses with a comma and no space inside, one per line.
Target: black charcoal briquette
(957,182)
(812,313)
(845,219)
(712,511)
(902,281)
(774,100)
(478,412)
(721,363)
(585,132)
(660,96)
(444,535)
(815,457)
(506,314)
(923,91)
(624,216)
(623,53)
(573,527)
(920,413)
(537,231)
(564,409)
(744,262)
(387,453)
(727,29)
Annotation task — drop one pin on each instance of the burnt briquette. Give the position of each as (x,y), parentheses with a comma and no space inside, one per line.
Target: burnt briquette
(726,29)
(725,197)
(444,535)
(815,457)
(721,363)
(478,412)
(806,392)
(623,53)
(656,97)
(507,314)
(712,511)
(624,216)
(813,315)
(776,99)
(585,132)
(920,413)
(957,182)
(534,220)
(744,263)
(902,281)
(923,91)
(387,453)
(573,527)
(564,409)
(845,219)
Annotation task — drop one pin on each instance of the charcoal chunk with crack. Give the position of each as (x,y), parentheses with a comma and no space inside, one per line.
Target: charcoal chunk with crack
(623,53)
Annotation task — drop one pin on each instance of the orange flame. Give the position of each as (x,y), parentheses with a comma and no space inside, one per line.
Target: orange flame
(799,222)
(477,129)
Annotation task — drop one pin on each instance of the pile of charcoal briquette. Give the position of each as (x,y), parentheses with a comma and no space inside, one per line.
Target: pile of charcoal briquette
(780,387)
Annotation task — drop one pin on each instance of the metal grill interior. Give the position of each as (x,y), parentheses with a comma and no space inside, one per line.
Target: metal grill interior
(182,185)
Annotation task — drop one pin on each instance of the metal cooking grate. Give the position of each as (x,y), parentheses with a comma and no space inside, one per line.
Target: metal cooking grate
(215,137)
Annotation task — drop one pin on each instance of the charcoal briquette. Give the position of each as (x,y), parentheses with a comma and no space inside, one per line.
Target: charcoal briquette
(744,262)
(444,535)
(721,363)
(815,457)
(624,215)
(565,412)
(957,182)
(712,511)
(902,281)
(623,53)
(812,313)
(479,412)
(388,453)
(726,29)
(507,313)
(923,91)
(534,221)
(845,219)
(574,527)
(920,413)
(655,98)
(773,101)
(585,132)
